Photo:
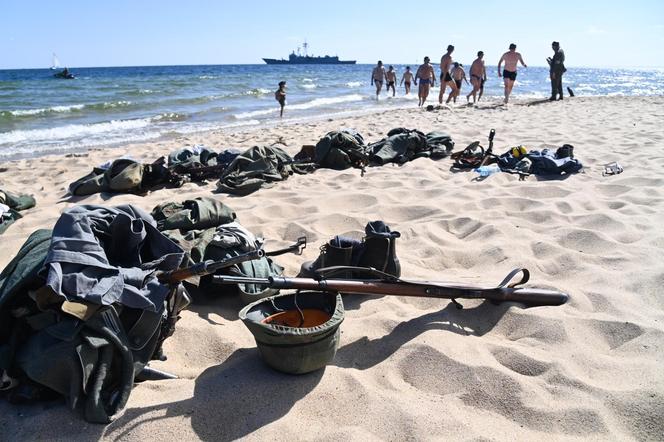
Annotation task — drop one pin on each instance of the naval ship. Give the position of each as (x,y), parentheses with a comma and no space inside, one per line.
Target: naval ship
(297,58)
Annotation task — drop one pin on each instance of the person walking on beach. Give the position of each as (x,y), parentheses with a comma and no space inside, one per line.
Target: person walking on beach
(427,77)
(511,59)
(556,70)
(477,76)
(445,77)
(391,78)
(280,96)
(377,77)
(458,75)
(407,78)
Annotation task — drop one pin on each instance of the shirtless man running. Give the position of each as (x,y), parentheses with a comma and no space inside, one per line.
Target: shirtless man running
(477,75)
(427,77)
(511,59)
(445,77)
(377,76)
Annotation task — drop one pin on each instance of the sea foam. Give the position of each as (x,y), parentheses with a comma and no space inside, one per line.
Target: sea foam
(71,131)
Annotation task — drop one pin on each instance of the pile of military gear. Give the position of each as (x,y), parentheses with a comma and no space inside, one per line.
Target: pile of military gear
(346,148)
(238,172)
(82,310)
(518,159)
(10,205)
(126,175)
(403,145)
(546,162)
(208,230)
(257,168)
(242,173)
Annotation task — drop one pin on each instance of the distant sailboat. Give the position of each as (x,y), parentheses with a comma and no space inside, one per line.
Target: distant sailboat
(56,62)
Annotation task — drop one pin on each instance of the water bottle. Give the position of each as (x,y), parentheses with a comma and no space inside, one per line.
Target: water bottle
(485,171)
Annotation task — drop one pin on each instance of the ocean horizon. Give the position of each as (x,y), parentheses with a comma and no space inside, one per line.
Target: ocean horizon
(107,106)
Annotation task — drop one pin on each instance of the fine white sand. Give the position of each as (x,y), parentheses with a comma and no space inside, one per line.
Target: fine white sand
(419,368)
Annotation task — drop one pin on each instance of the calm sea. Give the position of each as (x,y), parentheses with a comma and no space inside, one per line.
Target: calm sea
(106,106)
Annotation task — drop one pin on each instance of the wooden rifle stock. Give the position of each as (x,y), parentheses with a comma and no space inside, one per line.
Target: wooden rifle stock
(423,289)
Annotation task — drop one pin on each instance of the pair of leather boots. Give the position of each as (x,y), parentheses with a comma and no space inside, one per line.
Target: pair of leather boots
(376,250)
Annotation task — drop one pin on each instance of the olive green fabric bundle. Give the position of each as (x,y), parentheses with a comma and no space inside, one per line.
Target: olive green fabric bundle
(123,175)
(197,157)
(295,350)
(199,213)
(340,150)
(258,167)
(403,145)
(16,203)
(231,240)
(207,229)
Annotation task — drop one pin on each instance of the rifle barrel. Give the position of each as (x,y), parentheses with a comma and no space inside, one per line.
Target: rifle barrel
(407,288)
(208,267)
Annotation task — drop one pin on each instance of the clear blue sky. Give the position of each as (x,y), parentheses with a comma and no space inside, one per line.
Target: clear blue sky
(125,33)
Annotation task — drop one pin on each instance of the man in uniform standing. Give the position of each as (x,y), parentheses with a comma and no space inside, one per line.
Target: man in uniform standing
(556,71)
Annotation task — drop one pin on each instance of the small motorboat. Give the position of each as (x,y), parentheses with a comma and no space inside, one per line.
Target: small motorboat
(65,75)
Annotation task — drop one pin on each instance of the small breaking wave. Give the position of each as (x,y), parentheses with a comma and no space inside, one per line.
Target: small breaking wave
(141,92)
(327,101)
(26,113)
(309,86)
(318,102)
(354,84)
(71,131)
(170,116)
(257,91)
(253,114)
(43,111)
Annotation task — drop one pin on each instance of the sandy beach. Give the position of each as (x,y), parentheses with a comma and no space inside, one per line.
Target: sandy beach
(418,369)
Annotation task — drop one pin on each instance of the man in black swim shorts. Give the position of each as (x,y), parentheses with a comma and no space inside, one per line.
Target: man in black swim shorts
(391,77)
(511,59)
(445,77)
(509,75)
(377,77)
(477,76)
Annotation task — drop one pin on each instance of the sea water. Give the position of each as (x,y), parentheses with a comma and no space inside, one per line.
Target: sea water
(40,114)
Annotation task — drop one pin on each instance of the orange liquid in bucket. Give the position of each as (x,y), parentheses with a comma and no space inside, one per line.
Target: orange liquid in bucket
(292,318)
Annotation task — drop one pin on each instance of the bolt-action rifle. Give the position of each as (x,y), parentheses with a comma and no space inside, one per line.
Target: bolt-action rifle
(385,284)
